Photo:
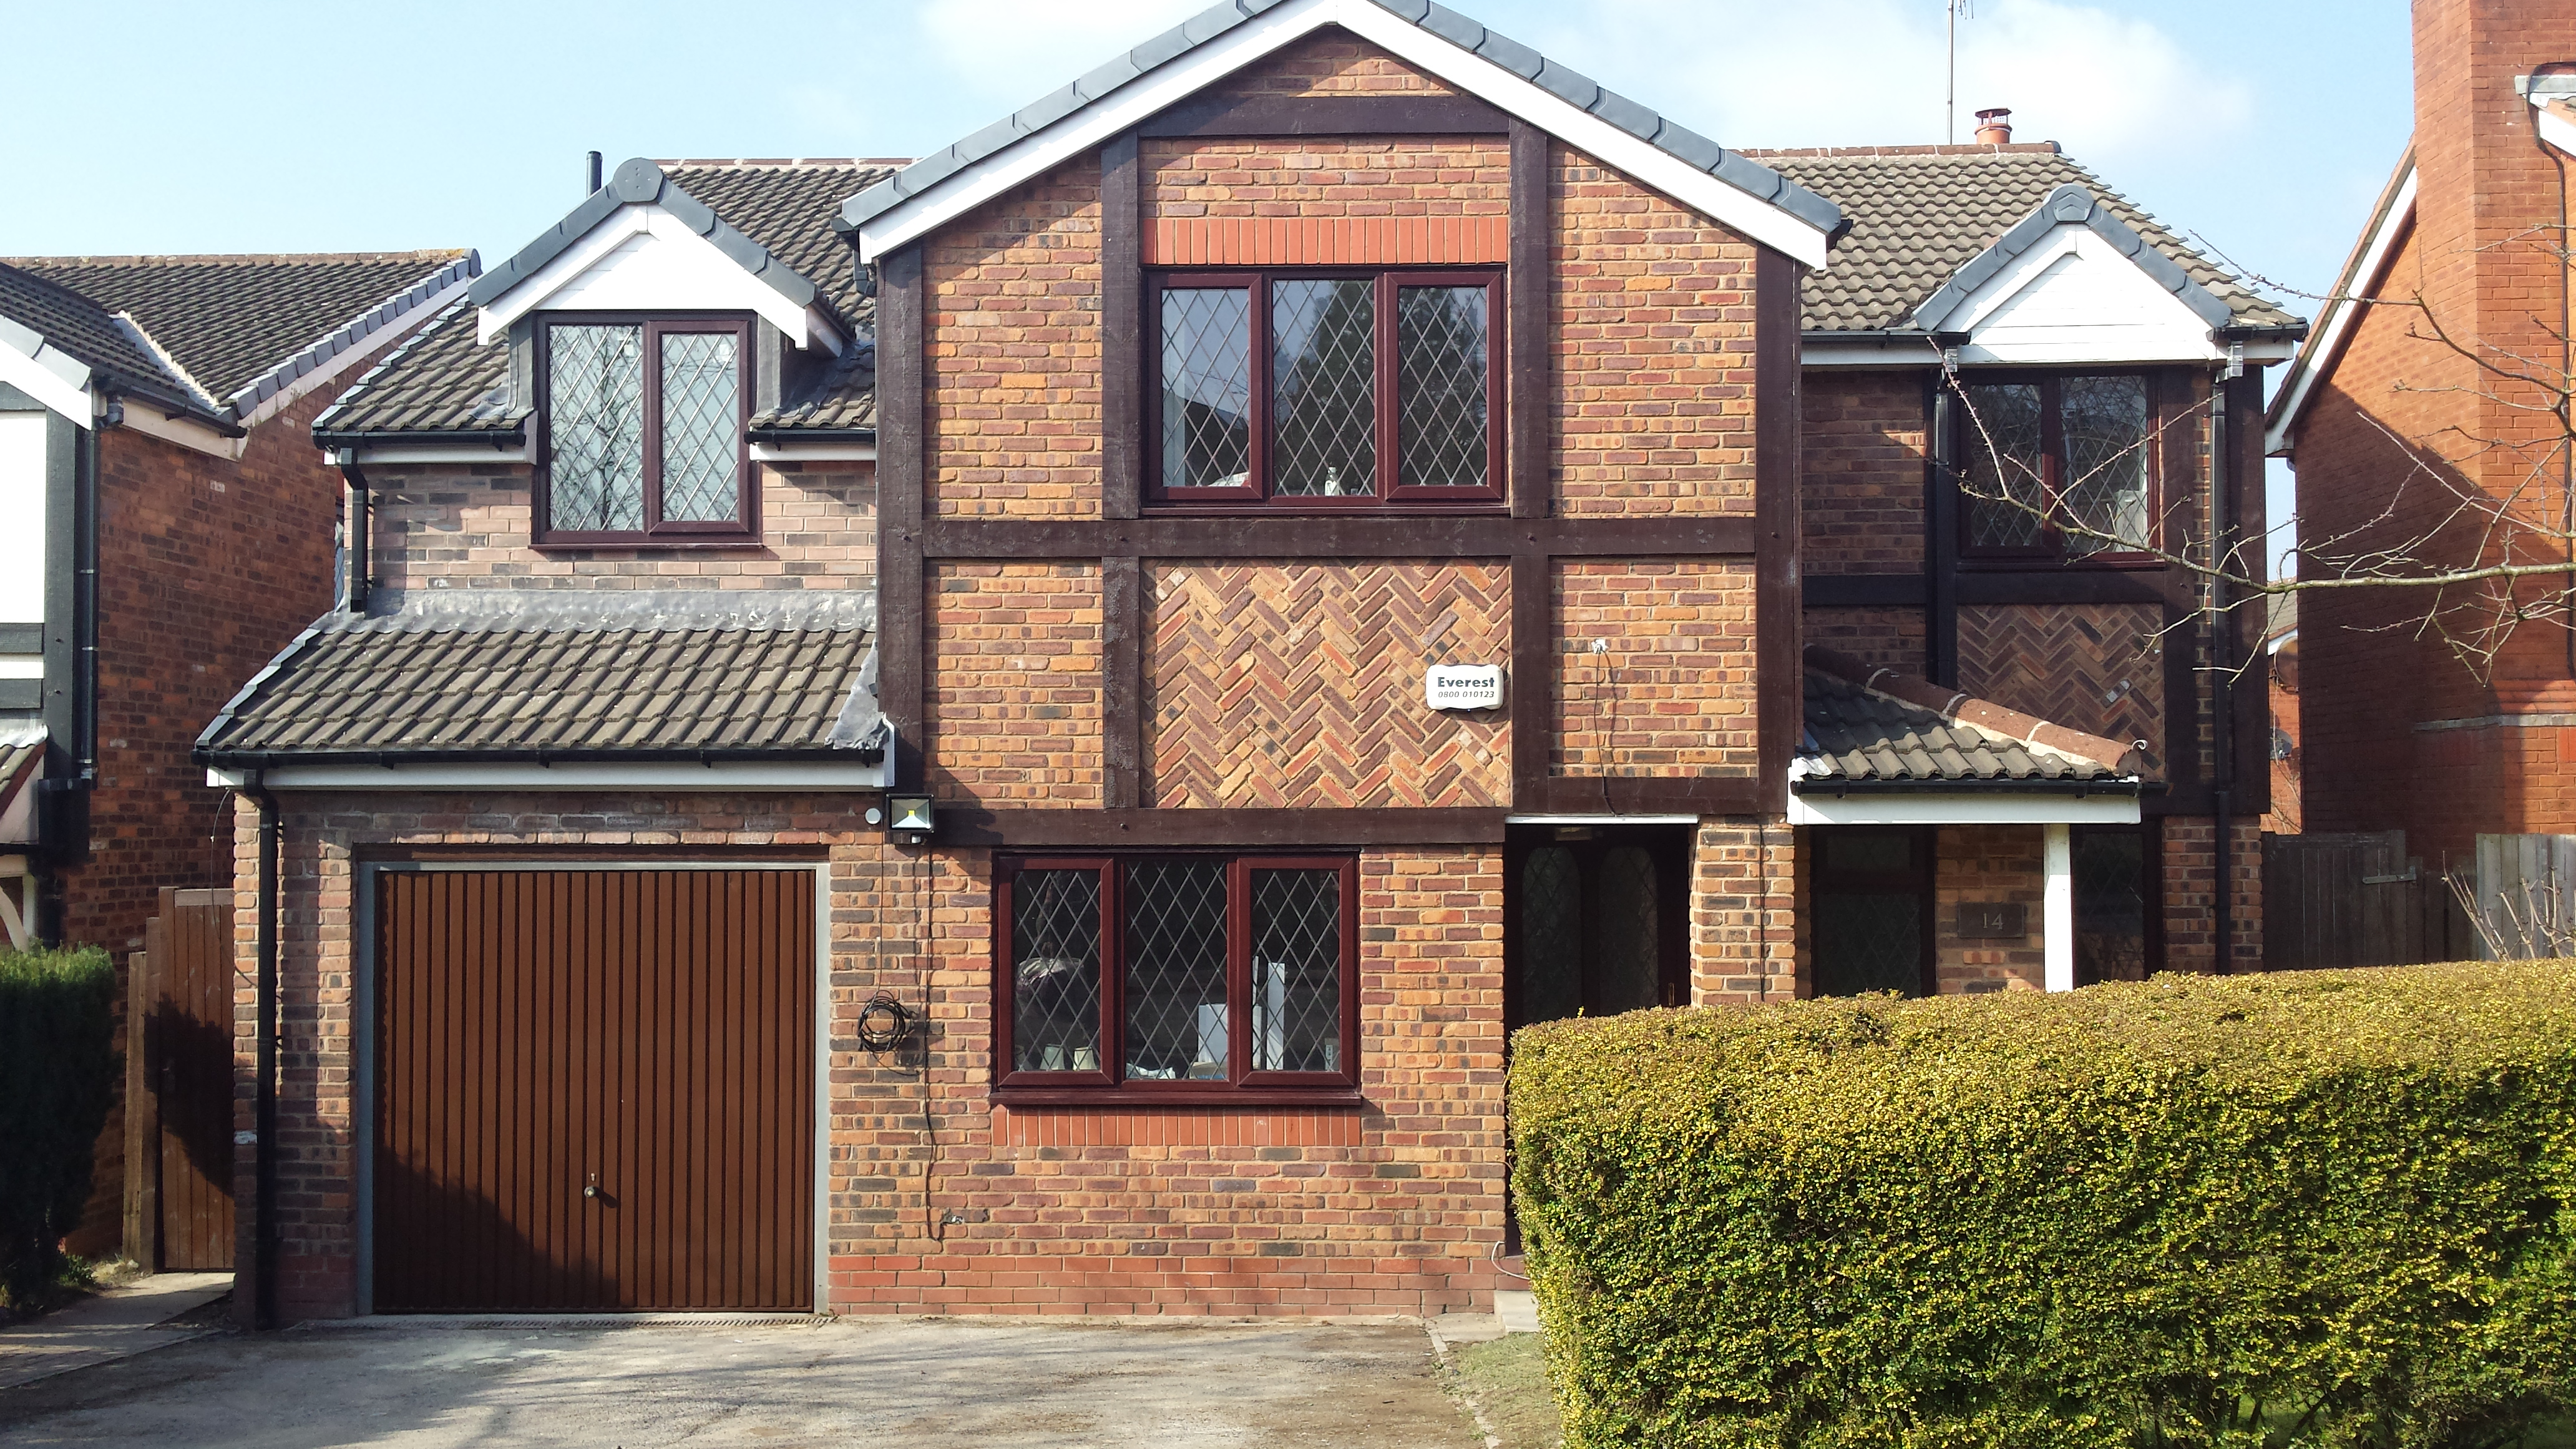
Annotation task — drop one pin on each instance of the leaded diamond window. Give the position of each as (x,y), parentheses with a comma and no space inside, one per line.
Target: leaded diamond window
(643,431)
(2057,466)
(1176,975)
(1327,392)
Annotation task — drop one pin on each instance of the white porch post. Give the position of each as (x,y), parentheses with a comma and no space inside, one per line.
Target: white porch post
(2057,910)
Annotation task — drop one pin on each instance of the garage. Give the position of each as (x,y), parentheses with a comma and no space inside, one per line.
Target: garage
(593,1089)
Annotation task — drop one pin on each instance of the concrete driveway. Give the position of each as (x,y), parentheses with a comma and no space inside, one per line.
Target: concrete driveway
(913,1382)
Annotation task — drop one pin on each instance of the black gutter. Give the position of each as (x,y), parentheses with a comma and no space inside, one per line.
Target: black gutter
(85,609)
(1827,785)
(394,759)
(264,1151)
(811,435)
(497,437)
(2268,332)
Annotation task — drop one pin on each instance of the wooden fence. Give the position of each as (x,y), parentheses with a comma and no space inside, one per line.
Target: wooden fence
(2356,900)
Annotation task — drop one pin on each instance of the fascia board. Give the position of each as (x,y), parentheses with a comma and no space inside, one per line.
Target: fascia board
(2343,311)
(2555,127)
(722,775)
(364,348)
(145,417)
(1964,808)
(46,373)
(975,183)
(428,450)
(1884,352)
(804,325)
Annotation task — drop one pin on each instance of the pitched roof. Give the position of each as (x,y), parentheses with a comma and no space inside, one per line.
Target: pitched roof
(1877,729)
(1919,214)
(35,312)
(1555,83)
(230,331)
(780,215)
(535,676)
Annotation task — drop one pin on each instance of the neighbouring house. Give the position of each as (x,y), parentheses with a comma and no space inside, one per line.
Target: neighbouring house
(2281,643)
(165,526)
(2421,419)
(1013,733)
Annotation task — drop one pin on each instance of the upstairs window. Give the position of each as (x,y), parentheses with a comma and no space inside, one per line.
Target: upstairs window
(1327,390)
(1176,978)
(2043,460)
(643,431)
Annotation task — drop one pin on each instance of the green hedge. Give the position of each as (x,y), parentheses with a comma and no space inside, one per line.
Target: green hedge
(2329,1208)
(58,1066)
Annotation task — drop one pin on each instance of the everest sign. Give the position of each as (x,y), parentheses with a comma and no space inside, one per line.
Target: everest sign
(1463,686)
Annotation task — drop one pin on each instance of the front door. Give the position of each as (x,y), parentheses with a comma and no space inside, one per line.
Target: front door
(1869,909)
(1597,920)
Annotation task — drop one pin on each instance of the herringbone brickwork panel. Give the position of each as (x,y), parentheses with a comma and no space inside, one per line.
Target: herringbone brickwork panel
(1653,335)
(2098,668)
(1671,689)
(1879,638)
(1015,704)
(1300,685)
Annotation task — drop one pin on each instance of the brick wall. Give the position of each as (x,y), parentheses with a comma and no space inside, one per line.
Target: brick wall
(1326,178)
(1015,700)
(462,526)
(1748,936)
(1013,349)
(1280,685)
(1673,691)
(1879,638)
(1330,62)
(1861,460)
(2191,895)
(1989,863)
(1392,1209)
(1653,331)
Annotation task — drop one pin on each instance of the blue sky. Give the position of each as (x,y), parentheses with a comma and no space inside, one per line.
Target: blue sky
(2263,127)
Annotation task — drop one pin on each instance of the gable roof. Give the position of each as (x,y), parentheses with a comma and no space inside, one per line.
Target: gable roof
(1726,185)
(225,334)
(52,323)
(445,384)
(2363,270)
(538,675)
(1921,214)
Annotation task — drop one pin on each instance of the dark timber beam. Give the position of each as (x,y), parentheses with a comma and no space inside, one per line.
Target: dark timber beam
(1778,629)
(1530,297)
(1347,535)
(1122,329)
(1093,829)
(903,670)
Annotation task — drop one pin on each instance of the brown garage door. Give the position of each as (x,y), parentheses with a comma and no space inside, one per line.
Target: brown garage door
(594,1090)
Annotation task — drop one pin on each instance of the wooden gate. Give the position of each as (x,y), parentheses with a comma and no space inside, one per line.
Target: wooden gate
(595,1090)
(179,1086)
(2355,900)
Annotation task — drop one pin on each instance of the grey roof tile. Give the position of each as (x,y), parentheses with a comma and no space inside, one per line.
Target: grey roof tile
(1856,736)
(1921,213)
(536,677)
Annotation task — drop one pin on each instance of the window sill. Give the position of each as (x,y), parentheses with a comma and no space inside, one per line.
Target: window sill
(1324,508)
(646,544)
(1317,1098)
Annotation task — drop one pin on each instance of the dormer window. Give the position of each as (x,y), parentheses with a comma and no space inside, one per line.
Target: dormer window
(1327,390)
(643,437)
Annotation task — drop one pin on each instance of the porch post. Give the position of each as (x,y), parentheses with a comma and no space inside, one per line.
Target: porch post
(2057,910)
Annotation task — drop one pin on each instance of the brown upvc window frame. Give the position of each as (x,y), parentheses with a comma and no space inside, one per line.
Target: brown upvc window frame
(2049,549)
(1392,494)
(740,531)
(1243,1085)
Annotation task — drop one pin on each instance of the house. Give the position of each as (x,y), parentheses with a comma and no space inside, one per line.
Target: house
(2446,455)
(1013,733)
(165,527)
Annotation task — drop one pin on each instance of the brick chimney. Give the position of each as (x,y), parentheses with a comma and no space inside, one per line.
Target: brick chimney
(1994,127)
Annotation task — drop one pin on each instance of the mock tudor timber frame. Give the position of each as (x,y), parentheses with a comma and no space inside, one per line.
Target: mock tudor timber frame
(1527,534)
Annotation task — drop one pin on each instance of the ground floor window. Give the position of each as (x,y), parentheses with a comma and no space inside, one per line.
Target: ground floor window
(1176,976)
(1869,916)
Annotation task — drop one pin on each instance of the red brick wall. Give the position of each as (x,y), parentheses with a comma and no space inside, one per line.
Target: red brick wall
(1015,701)
(1393,1209)
(1862,459)
(463,526)
(1672,693)
(1300,685)
(1326,179)
(2191,894)
(1989,864)
(1330,62)
(1013,342)
(1653,331)
(1747,933)
(1879,638)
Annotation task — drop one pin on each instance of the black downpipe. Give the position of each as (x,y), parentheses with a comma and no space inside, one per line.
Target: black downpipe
(263,1237)
(85,613)
(2222,658)
(360,566)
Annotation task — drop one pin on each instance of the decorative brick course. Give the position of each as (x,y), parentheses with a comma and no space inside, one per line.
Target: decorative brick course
(1015,699)
(463,526)
(1748,936)
(1673,691)
(1284,685)
(1013,351)
(1862,458)
(1653,335)
(936,1201)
